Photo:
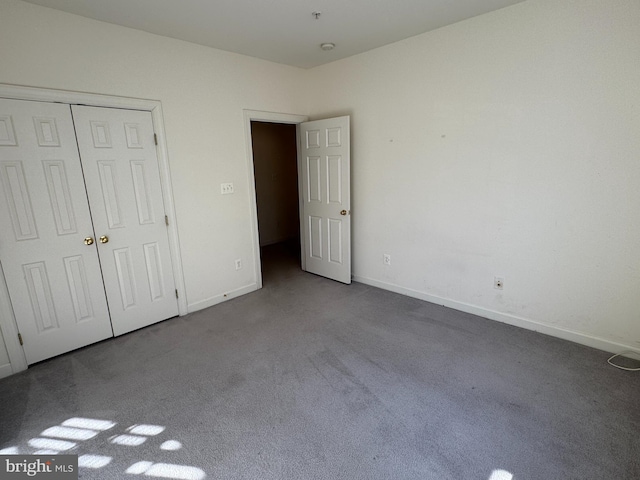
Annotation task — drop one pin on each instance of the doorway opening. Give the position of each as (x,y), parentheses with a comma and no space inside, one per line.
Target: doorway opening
(323,164)
(275,168)
(296,264)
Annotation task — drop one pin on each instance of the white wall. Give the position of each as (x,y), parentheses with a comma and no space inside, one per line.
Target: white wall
(203,92)
(508,145)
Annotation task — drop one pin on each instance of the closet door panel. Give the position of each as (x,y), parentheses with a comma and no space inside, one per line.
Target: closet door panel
(121,172)
(53,277)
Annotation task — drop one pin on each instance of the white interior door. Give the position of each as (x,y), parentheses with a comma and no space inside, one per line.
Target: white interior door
(325,216)
(121,172)
(53,277)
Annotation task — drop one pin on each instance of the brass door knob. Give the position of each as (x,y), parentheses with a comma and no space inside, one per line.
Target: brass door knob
(88,241)
(104,239)
(343,212)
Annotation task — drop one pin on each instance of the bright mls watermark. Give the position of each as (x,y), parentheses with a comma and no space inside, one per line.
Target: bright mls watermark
(51,467)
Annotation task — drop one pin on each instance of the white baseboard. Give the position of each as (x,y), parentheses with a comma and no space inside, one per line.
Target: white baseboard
(210,302)
(573,336)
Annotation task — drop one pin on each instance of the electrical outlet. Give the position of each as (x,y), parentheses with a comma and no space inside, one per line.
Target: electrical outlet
(226,188)
(386,259)
(498,283)
(238,264)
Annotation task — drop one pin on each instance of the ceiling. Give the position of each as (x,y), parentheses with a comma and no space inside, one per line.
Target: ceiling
(282,31)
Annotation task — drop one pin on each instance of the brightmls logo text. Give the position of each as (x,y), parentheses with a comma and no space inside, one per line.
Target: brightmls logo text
(51,467)
(29,468)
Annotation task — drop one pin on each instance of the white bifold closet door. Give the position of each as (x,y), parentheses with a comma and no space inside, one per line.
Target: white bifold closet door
(61,251)
(121,172)
(53,277)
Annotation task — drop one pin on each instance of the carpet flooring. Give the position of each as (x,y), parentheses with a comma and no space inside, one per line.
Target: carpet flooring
(311,379)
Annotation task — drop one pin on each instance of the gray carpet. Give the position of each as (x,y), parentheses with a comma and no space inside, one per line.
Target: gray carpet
(311,379)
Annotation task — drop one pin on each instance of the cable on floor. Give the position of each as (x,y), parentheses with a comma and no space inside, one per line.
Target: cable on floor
(620,366)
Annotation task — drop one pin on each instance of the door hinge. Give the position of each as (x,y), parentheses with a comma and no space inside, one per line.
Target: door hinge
(176,293)
(166,220)
(155,138)
(20,339)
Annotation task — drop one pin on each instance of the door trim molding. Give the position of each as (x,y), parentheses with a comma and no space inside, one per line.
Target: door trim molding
(270,117)
(9,327)
(19,92)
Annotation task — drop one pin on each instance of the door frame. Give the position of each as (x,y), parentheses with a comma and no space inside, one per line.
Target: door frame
(269,117)
(18,92)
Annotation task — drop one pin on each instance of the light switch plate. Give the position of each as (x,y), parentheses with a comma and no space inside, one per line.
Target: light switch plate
(226,188)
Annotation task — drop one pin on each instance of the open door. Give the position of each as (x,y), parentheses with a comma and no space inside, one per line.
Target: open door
(325,213)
